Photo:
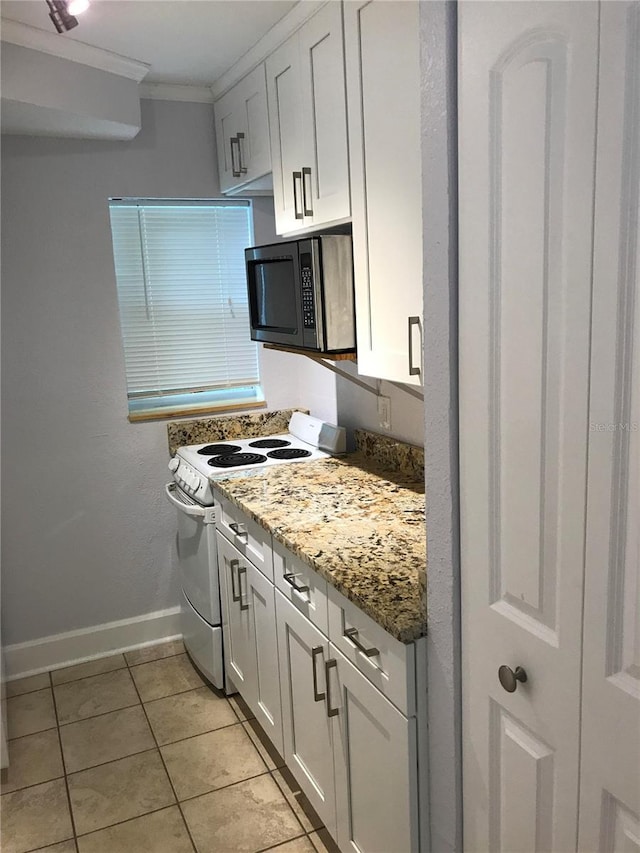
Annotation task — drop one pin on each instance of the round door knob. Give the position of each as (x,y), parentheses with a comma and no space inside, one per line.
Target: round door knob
(509,679)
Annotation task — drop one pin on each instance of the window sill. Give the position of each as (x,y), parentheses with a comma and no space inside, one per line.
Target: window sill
(194,411)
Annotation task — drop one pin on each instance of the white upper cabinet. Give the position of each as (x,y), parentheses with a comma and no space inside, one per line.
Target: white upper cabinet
(308,125)
(242,133)
(383,94)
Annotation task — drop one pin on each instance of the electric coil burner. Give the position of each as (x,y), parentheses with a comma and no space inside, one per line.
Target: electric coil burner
(232,460)
(269,442)
(289,453)
(218,449)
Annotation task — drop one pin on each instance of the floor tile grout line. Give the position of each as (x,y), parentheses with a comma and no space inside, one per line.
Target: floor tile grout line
(164,764)
(199,734)
(101,714)
(39,732)
(126,820)
(282,843)
(35,784)
(153,660)
(64,764)
(279,787)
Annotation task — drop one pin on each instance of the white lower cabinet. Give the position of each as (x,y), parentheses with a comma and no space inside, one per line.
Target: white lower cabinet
(308,731)
(353,752)
(375,764)
(249,629)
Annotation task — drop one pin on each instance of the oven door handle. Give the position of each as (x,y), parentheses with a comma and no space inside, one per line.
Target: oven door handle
(187,509)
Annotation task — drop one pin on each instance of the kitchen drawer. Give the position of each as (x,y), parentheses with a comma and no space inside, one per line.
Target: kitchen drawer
(391,668)
(249,538)
(310,599)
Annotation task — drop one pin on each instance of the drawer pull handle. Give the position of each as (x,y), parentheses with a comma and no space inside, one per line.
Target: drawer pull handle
(413,321)
(329,665)
(352,634)
(235,170)
(290,578)
(317,696)
(243,168)
(307,210)
(297,177)
(233,566)
(236,527)
(242,570)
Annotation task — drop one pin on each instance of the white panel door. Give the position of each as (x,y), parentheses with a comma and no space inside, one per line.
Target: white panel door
(259,594)
(239,652)
(610,763)
(242,131)
(308,740)
(284,97)
(382,54)
(376,765)
(325,164)
(527,106)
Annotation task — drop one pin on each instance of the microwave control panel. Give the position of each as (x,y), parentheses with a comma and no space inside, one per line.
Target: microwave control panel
(308,301)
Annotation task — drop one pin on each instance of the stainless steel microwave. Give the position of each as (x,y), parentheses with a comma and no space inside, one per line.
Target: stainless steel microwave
(301,293)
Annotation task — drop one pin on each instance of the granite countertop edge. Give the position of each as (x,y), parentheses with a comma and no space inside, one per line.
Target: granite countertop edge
(390,614)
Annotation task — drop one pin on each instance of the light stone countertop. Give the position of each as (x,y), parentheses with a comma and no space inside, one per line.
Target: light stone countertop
(358,524)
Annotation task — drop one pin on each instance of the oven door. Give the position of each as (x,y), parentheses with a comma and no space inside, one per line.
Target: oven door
(197,554)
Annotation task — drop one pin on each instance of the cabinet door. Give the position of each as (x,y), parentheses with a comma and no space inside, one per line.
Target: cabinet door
(284,97)
(242,131)
(325,166)
(308,741)
(376,765)
(610,757)
(383,97)
(258,594)
(527,108)
(239,647)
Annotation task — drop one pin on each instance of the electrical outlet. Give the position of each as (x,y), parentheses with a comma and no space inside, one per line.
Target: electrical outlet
(384,412)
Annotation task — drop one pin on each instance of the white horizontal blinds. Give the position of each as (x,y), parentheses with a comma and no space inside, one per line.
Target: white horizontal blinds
(182,292)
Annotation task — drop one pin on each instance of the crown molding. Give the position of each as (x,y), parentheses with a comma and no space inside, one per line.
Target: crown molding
(176,92)
(33,38)
(271,40)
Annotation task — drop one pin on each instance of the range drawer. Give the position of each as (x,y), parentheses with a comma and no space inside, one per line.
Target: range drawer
(385,661)
(246,535)
(300,585)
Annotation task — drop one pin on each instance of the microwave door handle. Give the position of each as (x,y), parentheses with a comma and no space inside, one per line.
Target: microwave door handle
(297,176)
(306,173)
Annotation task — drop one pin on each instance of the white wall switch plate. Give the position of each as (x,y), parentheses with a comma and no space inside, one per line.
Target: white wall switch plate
(384,412)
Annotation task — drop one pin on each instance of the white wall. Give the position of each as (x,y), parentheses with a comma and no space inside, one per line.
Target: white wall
(438,33)
(359,408)
(86,531)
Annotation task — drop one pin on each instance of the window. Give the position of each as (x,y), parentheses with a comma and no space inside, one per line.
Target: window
(183,305)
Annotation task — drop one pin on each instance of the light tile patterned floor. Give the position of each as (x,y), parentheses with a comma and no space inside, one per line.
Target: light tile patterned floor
(136,753)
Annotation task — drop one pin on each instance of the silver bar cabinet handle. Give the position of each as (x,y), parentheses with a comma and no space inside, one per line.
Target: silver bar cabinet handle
(240,137)
(235,171)
(306,173)
(413,371)
(297,176)
(290,578)
(242,570)
(352,634)
(234,565)
(236,527)
(317,696)
(329,665)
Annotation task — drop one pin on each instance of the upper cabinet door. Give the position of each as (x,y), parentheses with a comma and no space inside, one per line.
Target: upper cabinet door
(325,166)
(383,94)
(284,93)
(527,107)
(242,132)
(610,761)
(308,125)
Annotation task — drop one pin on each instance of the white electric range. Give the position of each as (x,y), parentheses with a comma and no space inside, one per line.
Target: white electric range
(195,469)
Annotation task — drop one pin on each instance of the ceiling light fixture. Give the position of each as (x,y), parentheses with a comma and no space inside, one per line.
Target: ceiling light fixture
(63,12)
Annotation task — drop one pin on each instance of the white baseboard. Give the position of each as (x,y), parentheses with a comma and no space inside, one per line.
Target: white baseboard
(85,644)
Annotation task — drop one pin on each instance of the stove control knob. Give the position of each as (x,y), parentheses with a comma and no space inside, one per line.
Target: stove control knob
(174,464)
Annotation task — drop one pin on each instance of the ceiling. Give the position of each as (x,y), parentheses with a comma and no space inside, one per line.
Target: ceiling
(188,42)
